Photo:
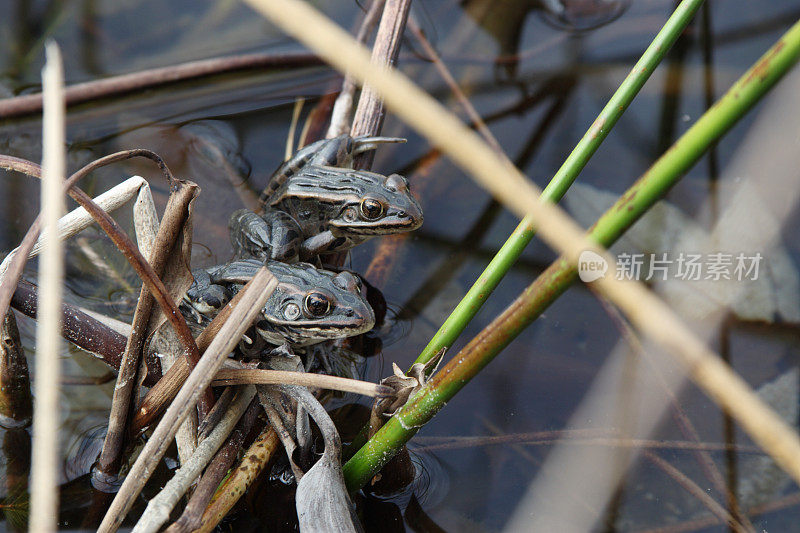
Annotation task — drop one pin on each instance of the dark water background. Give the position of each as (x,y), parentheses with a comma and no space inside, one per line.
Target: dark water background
(538,108)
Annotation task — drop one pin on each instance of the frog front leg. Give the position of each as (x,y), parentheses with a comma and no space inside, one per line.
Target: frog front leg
(328,242)
(276,236)
(205,298)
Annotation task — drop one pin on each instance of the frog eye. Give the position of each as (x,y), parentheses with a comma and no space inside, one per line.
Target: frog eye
(371,209)
(291,311)
(317,304)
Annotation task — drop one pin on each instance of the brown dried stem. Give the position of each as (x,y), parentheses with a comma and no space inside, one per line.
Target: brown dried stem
(340,115)
(192,515)
(256,293)
(17,264)
(137,81)
(369,115)
(82,330)
(174,217)
(252,464)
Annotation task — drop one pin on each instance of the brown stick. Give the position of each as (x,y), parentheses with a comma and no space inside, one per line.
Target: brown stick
(174,215)
(253,463)
(17,264)
(256,293)
(137,81)
(84,331)
(192,515)
(157,399)
(16,402)
(369,115)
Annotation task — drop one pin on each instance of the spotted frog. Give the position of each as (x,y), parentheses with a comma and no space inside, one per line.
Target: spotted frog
(309,305)
(316,208)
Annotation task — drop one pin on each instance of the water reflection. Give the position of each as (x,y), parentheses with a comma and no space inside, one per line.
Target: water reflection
(538,73)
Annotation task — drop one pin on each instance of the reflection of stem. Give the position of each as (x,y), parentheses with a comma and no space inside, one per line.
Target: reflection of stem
(684,423)
(137,81)
(17,451)
(692,488)
(16,403)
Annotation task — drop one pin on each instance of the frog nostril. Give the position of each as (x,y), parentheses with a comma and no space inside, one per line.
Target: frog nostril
(349,312)
(402,214)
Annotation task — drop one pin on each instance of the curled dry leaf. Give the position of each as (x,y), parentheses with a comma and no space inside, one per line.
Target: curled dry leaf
(404,386)
(322,500)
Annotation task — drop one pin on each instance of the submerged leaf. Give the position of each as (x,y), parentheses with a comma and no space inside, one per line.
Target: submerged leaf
(666,229)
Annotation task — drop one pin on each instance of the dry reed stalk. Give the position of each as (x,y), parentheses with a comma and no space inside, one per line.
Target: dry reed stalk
(174,216)
(368,119)
(645,310)
(138,81)
(44,472)
(192,516)
(256,293)
(340,114)
(161,505)
(246,376)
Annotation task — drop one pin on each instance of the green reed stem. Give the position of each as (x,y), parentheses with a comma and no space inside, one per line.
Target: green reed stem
(505,258)
(664,173)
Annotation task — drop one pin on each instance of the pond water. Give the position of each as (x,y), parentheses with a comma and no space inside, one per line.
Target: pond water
(538,82)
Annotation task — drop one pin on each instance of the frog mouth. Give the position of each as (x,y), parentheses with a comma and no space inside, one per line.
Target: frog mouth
(303,334)
(361,322)
(395,221)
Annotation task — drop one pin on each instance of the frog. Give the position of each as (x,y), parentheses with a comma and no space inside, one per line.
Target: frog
(322,209)
(310,305)
(334,152)
(315,203)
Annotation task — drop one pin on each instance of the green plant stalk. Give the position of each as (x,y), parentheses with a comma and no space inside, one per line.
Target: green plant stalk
(664,173)
(505,258)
